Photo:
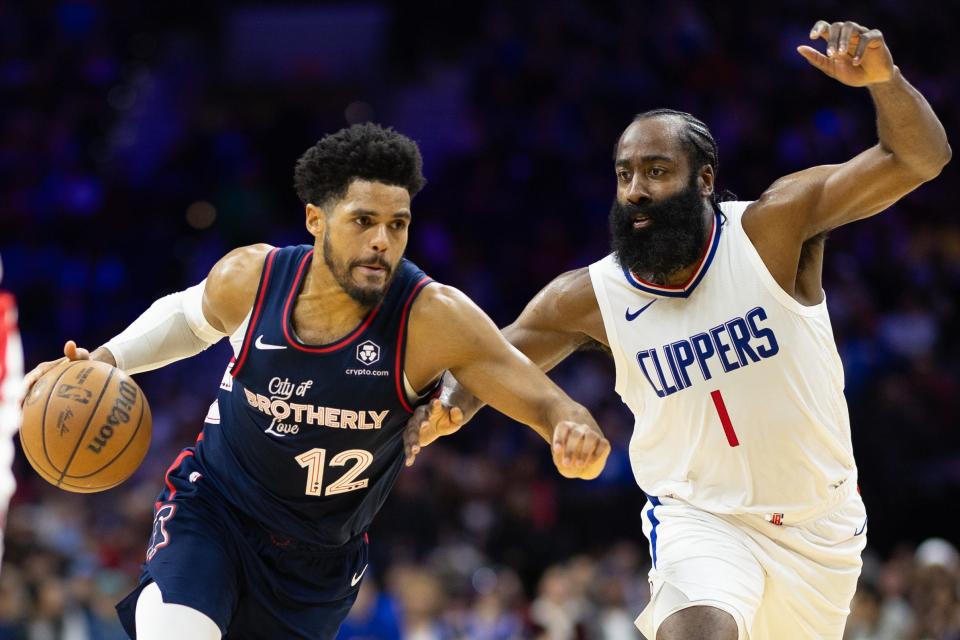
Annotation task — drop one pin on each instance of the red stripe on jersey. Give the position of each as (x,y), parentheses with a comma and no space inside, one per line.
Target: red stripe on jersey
(176,463)
(256,313)
(342,342)
(424,281)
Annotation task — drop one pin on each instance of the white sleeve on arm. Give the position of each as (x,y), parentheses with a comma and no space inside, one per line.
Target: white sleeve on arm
(173,328)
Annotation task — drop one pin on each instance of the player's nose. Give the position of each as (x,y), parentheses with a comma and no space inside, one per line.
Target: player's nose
(380,238)
(636,192)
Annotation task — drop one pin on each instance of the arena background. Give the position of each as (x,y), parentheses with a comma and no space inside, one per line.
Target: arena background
(139,142)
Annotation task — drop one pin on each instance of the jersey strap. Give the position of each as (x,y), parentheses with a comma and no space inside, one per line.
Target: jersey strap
(255,315)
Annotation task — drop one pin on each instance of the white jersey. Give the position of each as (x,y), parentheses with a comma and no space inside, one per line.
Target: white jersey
(736,388)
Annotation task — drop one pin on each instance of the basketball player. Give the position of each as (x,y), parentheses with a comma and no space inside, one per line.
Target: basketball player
(260,531)
(719,331)
(11,381)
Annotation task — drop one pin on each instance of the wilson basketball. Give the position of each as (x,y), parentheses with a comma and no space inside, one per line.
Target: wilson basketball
(86,426)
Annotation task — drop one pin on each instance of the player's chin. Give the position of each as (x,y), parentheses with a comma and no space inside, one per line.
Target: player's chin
(370,286)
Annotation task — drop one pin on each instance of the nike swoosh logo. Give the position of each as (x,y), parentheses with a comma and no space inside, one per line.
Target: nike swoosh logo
(356,577)
(260,344)
(633,316)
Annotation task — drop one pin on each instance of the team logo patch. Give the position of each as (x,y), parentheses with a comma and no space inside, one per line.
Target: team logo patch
(160,538)
(368,352)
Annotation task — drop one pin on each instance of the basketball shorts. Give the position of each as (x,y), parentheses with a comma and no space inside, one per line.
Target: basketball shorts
(254,584)
(786,580)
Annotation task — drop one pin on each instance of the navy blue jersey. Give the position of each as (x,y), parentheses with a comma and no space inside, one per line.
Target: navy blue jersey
(309,439)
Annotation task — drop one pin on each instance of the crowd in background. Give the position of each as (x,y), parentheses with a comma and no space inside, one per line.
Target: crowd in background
(139,142)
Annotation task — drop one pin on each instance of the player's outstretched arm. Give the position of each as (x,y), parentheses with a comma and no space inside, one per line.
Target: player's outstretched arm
(179,325)
(912,148)
(561,318)
(457,336)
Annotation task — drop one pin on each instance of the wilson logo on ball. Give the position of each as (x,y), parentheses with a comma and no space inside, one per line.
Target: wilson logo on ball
(368,352)
(119,414)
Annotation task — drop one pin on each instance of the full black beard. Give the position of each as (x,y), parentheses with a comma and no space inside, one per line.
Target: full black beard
(366,296)
(674,240)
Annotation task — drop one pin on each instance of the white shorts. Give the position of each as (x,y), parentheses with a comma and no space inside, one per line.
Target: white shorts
(777,581)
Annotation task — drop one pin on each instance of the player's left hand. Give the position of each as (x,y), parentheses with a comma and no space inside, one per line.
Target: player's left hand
(856,56)
(579,451)
(429,422)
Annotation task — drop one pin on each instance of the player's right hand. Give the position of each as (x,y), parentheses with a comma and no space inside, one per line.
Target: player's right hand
(429,422)
(70,352)
(579,451)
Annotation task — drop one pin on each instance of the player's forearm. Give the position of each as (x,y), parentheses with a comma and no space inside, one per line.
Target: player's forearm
(454,394)
(545,350)
(173,328)
(908,128)
(560,408)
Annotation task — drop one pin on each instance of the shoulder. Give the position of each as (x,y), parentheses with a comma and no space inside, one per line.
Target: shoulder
(240,268)
(787,202)
(438,303)
(232,283)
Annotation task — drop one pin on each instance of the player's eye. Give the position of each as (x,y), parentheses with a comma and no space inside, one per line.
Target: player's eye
(363,221)
(623,175)
(399,225)
(656,172)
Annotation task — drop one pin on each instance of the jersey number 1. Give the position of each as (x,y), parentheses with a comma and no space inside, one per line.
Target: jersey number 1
(314,460)
(724,418)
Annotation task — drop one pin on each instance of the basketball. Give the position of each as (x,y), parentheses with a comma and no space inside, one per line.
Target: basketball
(86,426)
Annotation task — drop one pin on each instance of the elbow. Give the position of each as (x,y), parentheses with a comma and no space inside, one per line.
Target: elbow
(932,165)
(947,155)
(941,160)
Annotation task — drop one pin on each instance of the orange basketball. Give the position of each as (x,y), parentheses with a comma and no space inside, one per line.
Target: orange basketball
(86,426)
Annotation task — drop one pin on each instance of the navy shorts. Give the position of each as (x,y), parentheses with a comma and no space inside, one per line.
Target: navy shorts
(254,584)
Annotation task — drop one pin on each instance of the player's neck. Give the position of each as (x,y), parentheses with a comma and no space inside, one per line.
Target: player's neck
(323,311)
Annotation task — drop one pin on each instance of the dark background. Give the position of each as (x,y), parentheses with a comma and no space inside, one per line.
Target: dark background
(139,142)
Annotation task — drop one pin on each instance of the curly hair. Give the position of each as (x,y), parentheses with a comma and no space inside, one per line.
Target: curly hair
(366,151)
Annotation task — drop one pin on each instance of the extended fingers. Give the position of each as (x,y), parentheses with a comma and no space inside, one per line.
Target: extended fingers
(833,38)
(411,435)
(848,32)
(871,38)
(820,30)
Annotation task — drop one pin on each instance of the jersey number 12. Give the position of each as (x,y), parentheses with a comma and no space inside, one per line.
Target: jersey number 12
(314,461)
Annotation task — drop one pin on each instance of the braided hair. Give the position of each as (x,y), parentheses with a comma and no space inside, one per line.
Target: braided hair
(698,141)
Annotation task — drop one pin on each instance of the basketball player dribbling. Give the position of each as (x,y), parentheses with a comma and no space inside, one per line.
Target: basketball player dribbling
(260,530)
(718,326)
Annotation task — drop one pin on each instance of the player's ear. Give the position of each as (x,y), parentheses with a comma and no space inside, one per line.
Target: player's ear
(315,220)
(706,180)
